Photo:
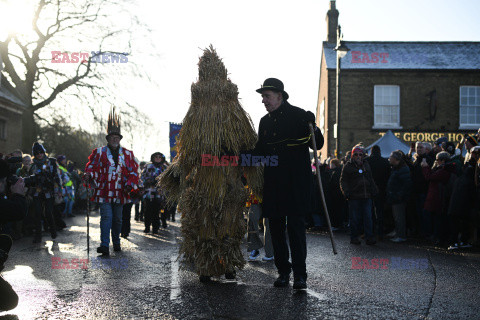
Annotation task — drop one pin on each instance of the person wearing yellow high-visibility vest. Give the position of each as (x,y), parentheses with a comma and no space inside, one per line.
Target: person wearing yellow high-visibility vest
(67,185)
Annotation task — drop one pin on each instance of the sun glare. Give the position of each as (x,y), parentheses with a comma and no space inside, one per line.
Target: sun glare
(16,17)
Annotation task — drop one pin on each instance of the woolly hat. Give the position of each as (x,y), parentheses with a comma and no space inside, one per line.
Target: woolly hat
(397,154)
(157,154)
(38,148)
(357,149)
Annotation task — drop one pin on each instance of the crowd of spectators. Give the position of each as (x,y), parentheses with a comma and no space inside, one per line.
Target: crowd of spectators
(53,192)
(430,194)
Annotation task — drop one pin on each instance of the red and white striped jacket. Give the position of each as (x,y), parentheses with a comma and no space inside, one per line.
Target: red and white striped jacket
(111,180)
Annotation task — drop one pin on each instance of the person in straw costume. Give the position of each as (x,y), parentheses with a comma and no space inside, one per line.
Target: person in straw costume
(210,193)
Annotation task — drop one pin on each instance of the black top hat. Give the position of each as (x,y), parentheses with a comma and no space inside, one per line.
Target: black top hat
(274,85)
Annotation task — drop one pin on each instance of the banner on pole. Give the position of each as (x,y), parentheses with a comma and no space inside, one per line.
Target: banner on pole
(174,131)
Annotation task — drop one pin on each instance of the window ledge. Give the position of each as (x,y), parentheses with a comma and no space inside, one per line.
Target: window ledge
(376,127)
(469,127)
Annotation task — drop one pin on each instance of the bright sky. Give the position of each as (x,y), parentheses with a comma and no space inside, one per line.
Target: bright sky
(267,38)
(282,39)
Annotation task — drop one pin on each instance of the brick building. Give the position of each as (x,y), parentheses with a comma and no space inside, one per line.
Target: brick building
(419,90)
(11,111)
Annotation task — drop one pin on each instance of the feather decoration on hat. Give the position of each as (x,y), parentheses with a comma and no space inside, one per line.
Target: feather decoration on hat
(113,124)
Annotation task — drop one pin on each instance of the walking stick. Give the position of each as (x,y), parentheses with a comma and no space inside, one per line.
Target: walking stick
(322,195)
(90,189)
(88,221)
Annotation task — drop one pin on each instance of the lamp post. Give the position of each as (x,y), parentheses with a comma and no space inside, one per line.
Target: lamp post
(341,50)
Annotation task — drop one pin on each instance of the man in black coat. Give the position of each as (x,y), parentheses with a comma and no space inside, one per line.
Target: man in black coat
(380,172)
(284,133)
(420,185)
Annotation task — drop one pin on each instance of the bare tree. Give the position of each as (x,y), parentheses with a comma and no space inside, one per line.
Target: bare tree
(60,27)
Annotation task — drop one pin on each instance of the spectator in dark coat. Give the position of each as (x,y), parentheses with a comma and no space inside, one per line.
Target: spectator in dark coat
(455,156)
(337,207)
(462,204)
(435,204)
(420,185)
(317,217)
(380,172)
(398,191)
(358,187)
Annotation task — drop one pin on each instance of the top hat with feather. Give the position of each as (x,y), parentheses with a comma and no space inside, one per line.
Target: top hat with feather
(113,126)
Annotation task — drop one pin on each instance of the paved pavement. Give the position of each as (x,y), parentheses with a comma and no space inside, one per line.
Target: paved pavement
(144,281)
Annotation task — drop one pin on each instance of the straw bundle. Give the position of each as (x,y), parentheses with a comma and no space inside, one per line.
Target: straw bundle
(211,198)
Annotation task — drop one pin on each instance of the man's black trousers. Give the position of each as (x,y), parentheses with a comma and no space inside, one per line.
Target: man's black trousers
(152,214)
(295,227)
(40,204)
(126,216)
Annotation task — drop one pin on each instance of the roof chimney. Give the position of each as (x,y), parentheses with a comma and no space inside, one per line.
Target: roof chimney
(332,23)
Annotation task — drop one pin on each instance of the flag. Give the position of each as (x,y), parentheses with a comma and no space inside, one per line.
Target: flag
(174,131)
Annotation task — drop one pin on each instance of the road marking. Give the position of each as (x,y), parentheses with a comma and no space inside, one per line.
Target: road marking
(174,280)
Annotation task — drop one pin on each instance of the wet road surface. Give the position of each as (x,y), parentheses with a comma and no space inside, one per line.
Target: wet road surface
(144,281)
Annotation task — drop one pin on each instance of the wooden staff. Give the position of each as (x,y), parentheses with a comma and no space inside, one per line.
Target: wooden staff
(88,221)
(322,195)
(90,185)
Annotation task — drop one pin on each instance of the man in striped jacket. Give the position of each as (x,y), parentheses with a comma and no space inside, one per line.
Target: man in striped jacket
(112,171)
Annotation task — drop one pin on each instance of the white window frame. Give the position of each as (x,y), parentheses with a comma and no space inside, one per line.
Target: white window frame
(475,106)
(386,125)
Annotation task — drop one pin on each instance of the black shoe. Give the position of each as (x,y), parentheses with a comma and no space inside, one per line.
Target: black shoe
(117,248)
(205,279)
(231,275)
(124,236)
(37,238)
(371,242)
(53,234)
(300,283)
(155,231)
(355,241)
(282,281)
(103,250)
(147,230)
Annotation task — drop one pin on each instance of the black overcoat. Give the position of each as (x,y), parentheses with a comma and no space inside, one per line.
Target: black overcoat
(284,134)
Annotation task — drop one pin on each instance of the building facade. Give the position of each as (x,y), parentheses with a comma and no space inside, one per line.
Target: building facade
(419,90)
(11,111)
